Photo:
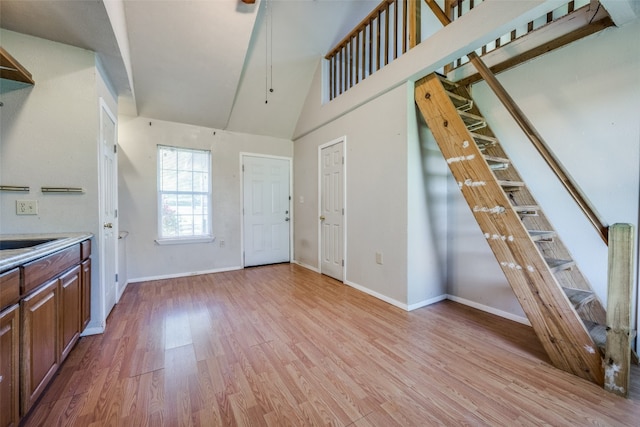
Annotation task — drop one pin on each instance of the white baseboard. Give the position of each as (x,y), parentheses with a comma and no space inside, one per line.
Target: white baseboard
(394,302)
(94,330)
(377,295)
(491,310)
(427,302)
(307,266)
(121,291)
(174,276)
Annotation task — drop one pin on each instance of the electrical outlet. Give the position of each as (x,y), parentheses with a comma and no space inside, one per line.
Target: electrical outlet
(26,207)
(222,243)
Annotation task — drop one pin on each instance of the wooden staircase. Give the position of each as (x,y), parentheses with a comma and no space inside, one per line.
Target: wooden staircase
(556,297)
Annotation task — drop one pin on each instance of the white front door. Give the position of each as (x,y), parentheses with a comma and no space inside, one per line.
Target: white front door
(332,210)
(266,208)
(108,208)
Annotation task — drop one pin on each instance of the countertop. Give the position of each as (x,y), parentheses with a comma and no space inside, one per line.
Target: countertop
(10,258)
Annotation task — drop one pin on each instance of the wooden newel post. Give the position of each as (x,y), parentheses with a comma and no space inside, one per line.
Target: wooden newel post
(619,333)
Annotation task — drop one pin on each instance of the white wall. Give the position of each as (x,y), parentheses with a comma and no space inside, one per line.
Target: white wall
(138,195)
(377,216)
(49,137)
(426,212)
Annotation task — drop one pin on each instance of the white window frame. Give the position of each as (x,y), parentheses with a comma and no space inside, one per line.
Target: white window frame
(208,237)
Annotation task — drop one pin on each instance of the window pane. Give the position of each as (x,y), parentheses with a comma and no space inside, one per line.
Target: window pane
(186,225)
(201,182)
(185,180)
(169,215)
(184,160)
(168,158)
(169,180)
(201,162)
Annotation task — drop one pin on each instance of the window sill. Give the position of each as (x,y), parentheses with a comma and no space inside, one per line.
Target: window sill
(186,240)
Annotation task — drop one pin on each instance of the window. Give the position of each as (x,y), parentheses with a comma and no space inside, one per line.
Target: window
(184,194)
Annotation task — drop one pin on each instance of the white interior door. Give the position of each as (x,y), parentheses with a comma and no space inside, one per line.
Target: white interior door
(332,210)
(108,207)
(266,208)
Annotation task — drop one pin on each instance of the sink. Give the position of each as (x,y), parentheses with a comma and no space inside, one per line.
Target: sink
(22,243)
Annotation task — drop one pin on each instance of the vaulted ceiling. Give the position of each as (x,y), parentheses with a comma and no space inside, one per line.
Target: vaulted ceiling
(204,62)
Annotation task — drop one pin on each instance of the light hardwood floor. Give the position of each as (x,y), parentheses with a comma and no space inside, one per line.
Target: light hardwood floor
(281,345)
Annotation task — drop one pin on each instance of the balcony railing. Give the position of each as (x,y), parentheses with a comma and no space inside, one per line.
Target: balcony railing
(456,8)
(386,33)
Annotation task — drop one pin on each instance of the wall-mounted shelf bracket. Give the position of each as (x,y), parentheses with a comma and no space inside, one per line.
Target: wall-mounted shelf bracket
(11,69)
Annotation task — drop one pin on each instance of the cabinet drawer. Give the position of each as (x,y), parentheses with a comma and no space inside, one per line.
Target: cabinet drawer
(43,269)
(85,249)
(9,288)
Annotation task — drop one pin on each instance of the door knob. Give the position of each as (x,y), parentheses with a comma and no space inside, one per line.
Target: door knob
(322,218)
(108,225)
(286,219)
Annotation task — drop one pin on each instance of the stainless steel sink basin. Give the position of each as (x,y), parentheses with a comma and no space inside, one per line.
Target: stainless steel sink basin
(22,243)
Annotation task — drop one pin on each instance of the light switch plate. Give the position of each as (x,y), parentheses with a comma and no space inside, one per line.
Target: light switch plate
(26,207)
(379,258)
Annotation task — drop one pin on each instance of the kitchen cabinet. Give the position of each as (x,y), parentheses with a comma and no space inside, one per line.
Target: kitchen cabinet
(69,312)
(45,304)
(9,366)
(40,342)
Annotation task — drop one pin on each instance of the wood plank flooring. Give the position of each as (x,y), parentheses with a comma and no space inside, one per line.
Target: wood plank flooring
(283,346)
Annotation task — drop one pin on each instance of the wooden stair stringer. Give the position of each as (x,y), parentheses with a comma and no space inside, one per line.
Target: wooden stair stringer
(552,316)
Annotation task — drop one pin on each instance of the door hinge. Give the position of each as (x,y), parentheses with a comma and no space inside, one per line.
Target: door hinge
(343,263)
(342,211)
(116,277)
(115,213)
(115,148)
(343,160)
(242,168)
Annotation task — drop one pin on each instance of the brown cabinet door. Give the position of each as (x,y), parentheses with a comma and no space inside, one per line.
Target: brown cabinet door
(40,351)
(86,293)
(69,314)
(9,363)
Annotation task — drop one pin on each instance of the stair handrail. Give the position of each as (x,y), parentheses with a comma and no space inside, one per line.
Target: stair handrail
(531,132)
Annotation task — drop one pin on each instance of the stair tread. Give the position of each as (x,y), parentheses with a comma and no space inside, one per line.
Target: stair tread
(510,185)
(579,297)
(598,333)
(497,163)
(461,103)
(448,84)
(541,234)
(556,264)
(526,208)
(472,121)
(487,138)
(496,159)
(483,141)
